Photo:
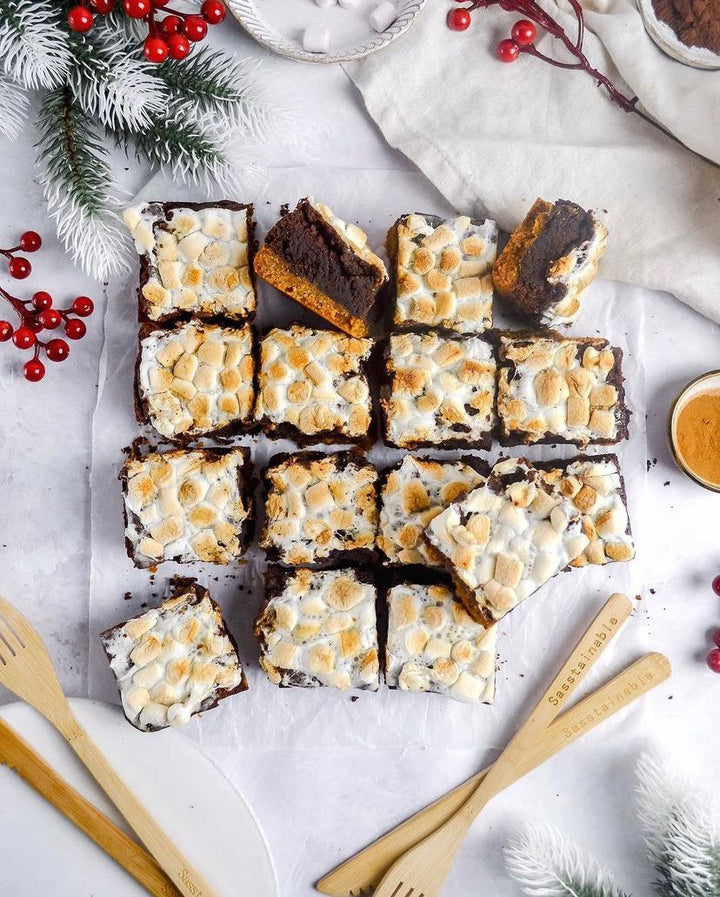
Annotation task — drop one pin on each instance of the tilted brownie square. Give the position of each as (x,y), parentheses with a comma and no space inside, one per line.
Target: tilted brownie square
(195,259)
(325,264)
(319,628)
(174,660)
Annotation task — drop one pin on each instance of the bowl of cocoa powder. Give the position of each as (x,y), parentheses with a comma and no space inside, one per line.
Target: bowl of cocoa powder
(694,430)
(687,30)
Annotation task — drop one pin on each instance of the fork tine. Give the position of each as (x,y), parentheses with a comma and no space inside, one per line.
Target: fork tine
(8,613)
(9,635)
(6,639)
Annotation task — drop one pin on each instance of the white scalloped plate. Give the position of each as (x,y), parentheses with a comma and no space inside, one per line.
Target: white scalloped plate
(188,795)
(669,43)
(279,24)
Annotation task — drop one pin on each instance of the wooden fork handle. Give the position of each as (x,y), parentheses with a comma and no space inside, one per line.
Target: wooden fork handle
(186,879)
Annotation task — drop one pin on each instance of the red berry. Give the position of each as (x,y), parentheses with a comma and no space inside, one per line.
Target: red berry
(137,9)
(57,350)
(24,338)
(83,306)
(75,329)
(6,331)
(713,660)
(178,46)
(716,585)
(194,28)
(103,6)
(158,4)
(79,18)
(30,241)
(716,637)
(34,323)
(508,50)
(42,300)
(155,49)
(171,24)
(50,318)
(213,11)
(524,32)
(34,370)
(458,19)
(19,267)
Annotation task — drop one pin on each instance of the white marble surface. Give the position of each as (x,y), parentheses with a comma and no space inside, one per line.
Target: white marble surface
(314,808)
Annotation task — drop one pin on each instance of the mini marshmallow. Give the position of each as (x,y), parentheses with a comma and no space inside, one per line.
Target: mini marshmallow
(316,39)
(382,17)
(349,4)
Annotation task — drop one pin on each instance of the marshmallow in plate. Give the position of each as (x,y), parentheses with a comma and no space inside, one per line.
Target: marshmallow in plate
(434,645)
(175,660)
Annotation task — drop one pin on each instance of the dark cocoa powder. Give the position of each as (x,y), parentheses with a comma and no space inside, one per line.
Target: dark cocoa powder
(696,22)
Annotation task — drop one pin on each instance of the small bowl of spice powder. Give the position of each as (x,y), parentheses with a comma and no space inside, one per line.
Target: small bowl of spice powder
(687,30)
(694,430)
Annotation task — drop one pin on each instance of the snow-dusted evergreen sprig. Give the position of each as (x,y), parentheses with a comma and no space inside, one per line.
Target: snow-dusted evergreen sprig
(79,188)
(681,831)
(14,103)
(548,865)
(34,51)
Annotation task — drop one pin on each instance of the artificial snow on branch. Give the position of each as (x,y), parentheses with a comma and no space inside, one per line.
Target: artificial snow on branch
(34,51)
(548,865)
(13,108)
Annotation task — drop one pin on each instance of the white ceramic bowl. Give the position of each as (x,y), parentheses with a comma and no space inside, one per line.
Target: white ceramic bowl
(253,16)
(709,382)
(669,43)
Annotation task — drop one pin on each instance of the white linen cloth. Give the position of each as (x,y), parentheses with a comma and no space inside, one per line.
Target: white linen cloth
(493,136)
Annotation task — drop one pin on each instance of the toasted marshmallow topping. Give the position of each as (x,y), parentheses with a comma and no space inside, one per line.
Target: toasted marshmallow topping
(317,506)
(314,381)
(444,273)
(412,495)
(576,271)
(434,645)
(558,387)
(442,389)
(185,506)
(173,661)
(321,630)
(197,260)
(354,236)
(197,378)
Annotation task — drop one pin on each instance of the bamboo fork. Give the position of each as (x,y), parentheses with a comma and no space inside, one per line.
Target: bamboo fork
(17,755)
(422,870)
(26,670)
(361,873)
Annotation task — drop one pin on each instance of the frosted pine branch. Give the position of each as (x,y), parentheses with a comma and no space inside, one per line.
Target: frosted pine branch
(33,49)
(681,831)
(13,108)
(79,188)
(548,865)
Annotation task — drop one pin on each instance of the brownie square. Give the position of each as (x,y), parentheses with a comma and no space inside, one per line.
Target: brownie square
(411,495)
(443,272)
(440,391)
(434,645)
(195,259)
(196,379)
(558,389)
(320,507)
(175,660)
(318,628)
(507,538)
(313,386)
(187,506)
(550,260)
(325,264)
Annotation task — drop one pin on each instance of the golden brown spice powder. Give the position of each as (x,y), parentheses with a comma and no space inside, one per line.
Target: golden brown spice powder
(697,435)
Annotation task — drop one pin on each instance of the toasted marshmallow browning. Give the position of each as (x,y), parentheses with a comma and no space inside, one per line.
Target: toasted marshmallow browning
(569,390)
(186,506)
(444,272)
(173,661)
(354,236)
(196,378)
(314,381)
(319,628)
(442,391)
(434,645)
(412,495)
(318,506)
(507,538)
(196,260)
(575,271)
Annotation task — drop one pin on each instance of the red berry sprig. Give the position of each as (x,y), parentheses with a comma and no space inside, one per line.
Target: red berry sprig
(713,658)
(18,266)
(168,37)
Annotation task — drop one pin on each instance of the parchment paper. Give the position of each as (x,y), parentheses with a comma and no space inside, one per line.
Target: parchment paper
(533,640)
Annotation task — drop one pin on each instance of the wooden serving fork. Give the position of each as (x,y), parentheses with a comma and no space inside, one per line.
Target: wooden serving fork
(422,870)
(26,670)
